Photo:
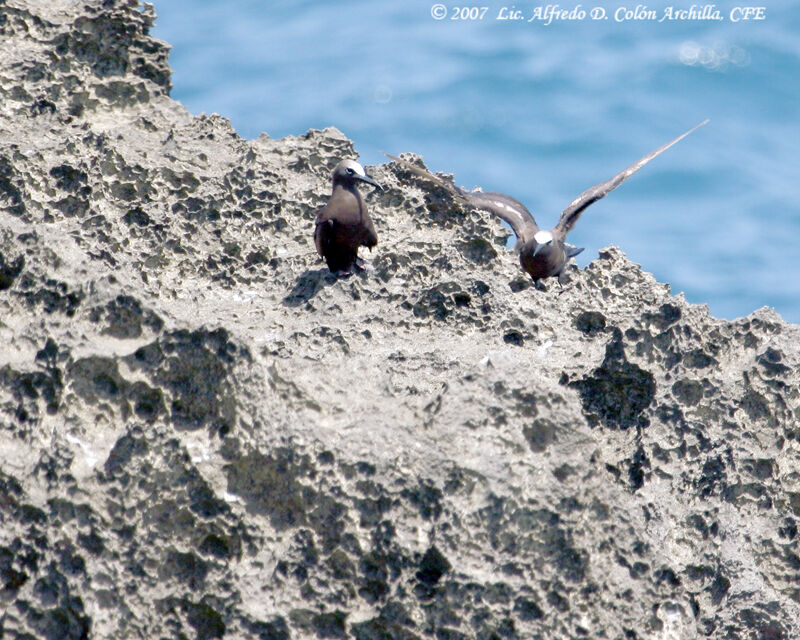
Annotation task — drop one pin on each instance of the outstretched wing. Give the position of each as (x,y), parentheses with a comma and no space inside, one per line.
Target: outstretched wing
(506,208)
(503,206)
(458,194)
(571,214)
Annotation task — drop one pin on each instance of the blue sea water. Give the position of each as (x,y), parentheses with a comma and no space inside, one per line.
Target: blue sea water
(541,112)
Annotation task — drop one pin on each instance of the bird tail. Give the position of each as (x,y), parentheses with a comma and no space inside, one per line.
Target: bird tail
(572,250)
(457,193)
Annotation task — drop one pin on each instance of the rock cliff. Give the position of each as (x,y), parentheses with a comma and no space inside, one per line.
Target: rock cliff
(204,434)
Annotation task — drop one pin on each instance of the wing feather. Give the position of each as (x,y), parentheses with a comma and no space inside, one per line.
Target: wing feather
(319,241)
(457,193)
(506,208)
(573,211)
(498,204)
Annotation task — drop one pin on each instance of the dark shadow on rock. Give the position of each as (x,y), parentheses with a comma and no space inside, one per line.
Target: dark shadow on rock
(540,434)
(590,323)
(272,485)
(618,392)
(308,284)
(9,270)
(432,567)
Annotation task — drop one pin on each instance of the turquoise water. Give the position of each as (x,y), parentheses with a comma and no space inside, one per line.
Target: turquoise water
(542,112)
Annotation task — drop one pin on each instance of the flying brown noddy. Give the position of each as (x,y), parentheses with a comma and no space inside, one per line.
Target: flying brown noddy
(542,254)
(343,224)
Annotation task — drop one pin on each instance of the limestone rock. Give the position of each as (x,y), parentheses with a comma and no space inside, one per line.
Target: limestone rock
(204,434)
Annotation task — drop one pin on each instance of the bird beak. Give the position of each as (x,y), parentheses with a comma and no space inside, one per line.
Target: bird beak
(369,180)
(538,248)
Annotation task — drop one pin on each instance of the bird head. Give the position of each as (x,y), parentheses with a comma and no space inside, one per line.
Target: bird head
(543,240)
(349,171)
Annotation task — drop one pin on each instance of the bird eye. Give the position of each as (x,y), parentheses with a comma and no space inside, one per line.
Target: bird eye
(350,170)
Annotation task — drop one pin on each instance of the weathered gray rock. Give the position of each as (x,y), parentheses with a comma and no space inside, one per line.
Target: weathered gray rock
(203,434)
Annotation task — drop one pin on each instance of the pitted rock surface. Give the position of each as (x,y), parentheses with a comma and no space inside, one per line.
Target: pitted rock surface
(204,434)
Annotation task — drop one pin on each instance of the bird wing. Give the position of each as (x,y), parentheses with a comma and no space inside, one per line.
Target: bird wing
(506,208)
(503,206)
(370,237)
(320,219)
(571,214)
(458,194)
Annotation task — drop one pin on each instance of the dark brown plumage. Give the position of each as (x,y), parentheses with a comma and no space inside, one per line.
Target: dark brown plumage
(542,254)
(343,224)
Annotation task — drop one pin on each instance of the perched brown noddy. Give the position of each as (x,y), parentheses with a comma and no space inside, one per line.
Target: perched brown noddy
(542,254)
(343,224)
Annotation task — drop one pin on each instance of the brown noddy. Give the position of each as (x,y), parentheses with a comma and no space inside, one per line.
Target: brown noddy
(343,224)
(542,253)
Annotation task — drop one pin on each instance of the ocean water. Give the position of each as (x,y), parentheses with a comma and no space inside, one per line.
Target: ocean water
(542,111)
